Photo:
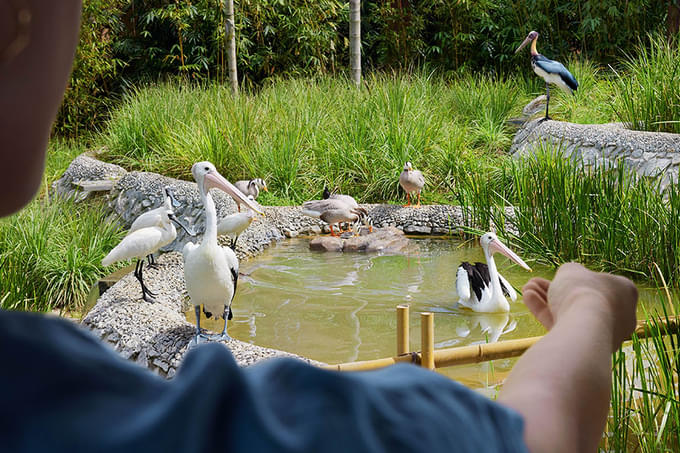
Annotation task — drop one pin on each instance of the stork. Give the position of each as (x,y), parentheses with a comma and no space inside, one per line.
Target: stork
(480,287)
(211,271)
(152,233)
(549,70)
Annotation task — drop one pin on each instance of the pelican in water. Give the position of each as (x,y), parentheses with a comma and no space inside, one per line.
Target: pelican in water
(154,217)
(480,287)
(251,187)
(334,211)
(412,181)
(235,224)
(145,238)
(211,271)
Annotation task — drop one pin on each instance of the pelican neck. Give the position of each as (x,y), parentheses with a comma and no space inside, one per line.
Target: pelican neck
(210,217)
(493,275)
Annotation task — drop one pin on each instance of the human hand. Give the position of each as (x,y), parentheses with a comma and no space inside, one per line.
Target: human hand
(611,297)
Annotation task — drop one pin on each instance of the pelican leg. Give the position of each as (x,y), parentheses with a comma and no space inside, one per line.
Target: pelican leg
(408,200)
(200,337)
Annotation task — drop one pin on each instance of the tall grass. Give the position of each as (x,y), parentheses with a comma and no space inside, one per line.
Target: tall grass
(51,254)
(304,134)
(648,98)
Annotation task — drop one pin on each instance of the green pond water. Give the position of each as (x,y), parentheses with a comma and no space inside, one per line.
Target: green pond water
(336,307)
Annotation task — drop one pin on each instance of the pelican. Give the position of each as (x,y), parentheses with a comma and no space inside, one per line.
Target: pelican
(480,287)
(549,70)
(333,211)
(492,325)
(154,216)
(146,240)
(412,181)
(235,224)
(211,271)
(251,187)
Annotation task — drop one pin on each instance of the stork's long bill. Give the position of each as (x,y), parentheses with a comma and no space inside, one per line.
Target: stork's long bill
(531,38)
(215,180)
(497,246)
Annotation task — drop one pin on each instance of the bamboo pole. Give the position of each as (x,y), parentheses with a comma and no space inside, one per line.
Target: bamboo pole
(427,340)
(230,36)
(402,329)
(355,41)
(492,351)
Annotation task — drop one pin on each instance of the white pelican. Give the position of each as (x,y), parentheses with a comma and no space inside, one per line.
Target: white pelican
(146,240)
(235,224)
(480,287)
(412,181)
(154,217)
(333,211)
(549,70)
(211,271)
(251,188)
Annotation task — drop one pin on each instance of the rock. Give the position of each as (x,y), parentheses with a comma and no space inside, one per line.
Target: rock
(417,229)
(326,244)
(82,169)
(389,239)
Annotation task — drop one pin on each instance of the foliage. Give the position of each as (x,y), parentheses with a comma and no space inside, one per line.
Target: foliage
(95,69)
(648,97)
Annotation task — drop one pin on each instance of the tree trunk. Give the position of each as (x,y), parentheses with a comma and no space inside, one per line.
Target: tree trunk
(230,36)
(673,18)
(355,40)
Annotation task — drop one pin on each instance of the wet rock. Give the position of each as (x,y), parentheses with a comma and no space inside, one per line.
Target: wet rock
(326,244)
(417,229)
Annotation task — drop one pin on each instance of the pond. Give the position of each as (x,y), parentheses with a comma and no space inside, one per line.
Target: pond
(336,307)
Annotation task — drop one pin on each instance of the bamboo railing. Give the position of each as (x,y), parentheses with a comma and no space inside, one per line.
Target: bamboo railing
(443,358)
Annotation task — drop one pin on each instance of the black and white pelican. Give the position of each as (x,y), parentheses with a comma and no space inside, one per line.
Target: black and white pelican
(412,181)
(211,271)
(154,216)
(549,70)
(250,187)
(154,231)
(480,287)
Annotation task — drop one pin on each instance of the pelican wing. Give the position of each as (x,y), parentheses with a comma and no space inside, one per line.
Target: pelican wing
(137,244)
(232,260)
(463,283)
(507,288)
(188,248)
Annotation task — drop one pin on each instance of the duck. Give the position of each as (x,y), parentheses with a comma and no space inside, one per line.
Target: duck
(333,211)
(250,187)
(412,181)
(480,286)
(347,199)
(210,270)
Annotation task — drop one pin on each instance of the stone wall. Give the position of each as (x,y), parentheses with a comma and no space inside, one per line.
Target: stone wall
(649,154)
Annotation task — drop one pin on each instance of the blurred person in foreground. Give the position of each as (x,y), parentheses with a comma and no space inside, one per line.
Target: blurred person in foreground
(62,390)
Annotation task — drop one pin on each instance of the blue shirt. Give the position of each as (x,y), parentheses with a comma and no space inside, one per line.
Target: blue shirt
(62,390)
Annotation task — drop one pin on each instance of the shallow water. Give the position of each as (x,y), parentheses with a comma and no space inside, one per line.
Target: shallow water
(336,307)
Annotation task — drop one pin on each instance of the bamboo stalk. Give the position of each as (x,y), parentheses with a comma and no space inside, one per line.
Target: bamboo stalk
(427,340)
(492,351)
(402,329)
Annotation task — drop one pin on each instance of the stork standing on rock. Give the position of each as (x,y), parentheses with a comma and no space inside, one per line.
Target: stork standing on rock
(549,70)
(211,271)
